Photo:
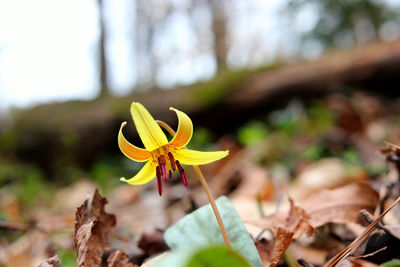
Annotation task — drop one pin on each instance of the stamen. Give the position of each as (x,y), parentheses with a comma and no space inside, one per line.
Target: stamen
(182,173)
(172,160)
(170,174)
(163,165)
(159,182)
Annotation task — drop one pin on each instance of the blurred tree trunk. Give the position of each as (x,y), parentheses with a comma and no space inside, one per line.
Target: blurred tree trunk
(218,14)
(144,30)
(104,89)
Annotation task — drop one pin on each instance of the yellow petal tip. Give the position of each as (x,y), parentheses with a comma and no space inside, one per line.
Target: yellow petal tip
(122,179)
(136,105)
(149,131)
(225,153)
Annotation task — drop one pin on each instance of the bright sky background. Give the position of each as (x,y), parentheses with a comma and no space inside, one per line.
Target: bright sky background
(48,48)
(45,50)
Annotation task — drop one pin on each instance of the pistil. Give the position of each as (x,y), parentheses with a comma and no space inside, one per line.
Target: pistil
(182,173)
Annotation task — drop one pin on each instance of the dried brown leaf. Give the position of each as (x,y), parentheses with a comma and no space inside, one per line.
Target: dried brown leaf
(392,153)
(340,205)
(354,262)
(295,225)
(92,228)
(381,246)
(282,241)
(271,222)
(356,243)
(296,221)
(153,243)
(119,259)
(394,230)
(265,249)
(51,262)
(312,255)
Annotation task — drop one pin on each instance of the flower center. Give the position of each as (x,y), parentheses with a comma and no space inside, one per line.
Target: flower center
(165,168)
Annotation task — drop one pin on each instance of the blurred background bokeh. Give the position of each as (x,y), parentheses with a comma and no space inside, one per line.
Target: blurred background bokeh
(61,50)
(291,82)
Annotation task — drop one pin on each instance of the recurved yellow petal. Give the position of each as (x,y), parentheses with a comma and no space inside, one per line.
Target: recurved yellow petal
(184,132)
(193,157)
(129,150)
(151,134)
(145,175)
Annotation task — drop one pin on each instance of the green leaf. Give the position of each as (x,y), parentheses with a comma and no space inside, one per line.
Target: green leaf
(201,228)
(391,263)
(216,256)
(211,256)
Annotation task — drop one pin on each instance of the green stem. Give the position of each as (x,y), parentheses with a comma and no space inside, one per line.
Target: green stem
(206,189)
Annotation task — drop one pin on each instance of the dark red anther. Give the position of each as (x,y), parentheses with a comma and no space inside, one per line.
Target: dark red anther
(184,178)
(172,160)
(159,182)
(182,173)
(165,173)
(163,165)
(170,174)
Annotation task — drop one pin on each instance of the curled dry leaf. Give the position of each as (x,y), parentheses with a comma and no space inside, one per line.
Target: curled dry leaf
(282,241)
(119,259)
(92,228)
(285,230)
(51,262)
(296,221)
(340,205)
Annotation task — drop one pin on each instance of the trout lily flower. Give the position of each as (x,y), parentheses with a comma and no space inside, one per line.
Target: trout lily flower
(162,156)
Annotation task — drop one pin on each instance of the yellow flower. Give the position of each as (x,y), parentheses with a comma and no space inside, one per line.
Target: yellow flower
(162,157)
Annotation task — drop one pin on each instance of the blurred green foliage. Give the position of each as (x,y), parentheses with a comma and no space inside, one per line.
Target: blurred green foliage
(295,134)
(299,134)
(26,181)
(252,133)
(106,172)
(201,138)
(314,152)
(67,257)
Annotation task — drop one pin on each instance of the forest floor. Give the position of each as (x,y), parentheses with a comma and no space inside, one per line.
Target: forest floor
(298,178)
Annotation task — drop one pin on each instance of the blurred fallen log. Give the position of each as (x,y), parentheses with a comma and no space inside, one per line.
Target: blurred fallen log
(84,129)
